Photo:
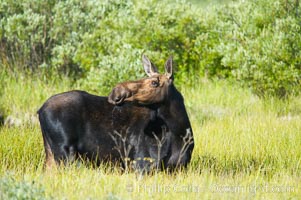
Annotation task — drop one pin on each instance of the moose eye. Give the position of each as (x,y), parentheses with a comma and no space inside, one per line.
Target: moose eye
(155,83)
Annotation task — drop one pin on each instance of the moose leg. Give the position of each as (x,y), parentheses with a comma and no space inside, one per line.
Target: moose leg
(57,152)
(58,156)
(63,154)
(181,153)
(142,160)
(50,162)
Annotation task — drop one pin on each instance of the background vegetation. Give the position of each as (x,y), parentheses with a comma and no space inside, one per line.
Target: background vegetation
(97,43)
(237,65)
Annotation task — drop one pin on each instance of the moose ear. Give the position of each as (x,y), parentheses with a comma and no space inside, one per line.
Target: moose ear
(168,67)
(149,68)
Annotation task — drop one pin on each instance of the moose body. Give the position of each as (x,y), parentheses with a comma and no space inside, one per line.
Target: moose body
(152,131)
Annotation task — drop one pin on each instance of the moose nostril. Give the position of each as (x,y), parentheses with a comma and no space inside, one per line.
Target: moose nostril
(119,100)
(117,96)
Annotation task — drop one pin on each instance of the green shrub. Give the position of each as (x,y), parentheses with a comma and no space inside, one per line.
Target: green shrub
(99,43)
(24,32)
(47,33)
(101,40)
(112,52)
(14,190)
(259,45)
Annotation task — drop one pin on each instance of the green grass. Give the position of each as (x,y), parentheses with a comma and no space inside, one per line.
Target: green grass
(245,147)
(205,3)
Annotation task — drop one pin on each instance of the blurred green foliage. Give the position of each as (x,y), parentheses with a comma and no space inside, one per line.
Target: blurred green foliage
(13,189)
(99,43)
(260,45)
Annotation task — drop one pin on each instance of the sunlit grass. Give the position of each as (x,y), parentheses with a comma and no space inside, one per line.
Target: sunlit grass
(245,147)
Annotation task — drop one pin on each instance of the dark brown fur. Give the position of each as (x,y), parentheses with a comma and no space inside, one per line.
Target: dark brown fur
(159,91)
(147,126)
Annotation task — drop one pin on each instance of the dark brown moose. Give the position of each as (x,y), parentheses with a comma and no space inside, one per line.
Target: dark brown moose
(142,124)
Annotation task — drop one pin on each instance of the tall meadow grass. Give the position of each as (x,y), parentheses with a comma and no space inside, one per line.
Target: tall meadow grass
(245,148)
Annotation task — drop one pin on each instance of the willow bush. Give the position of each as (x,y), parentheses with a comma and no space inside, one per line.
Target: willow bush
(99,43)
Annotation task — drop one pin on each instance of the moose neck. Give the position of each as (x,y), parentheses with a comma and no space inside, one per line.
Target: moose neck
(173,96)
(173,112)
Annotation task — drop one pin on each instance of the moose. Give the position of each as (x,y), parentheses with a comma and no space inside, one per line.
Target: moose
(142,124)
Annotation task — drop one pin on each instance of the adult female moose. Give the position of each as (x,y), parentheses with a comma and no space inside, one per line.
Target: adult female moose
(143,121)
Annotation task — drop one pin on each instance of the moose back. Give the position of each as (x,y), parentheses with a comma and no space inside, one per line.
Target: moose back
(142,124)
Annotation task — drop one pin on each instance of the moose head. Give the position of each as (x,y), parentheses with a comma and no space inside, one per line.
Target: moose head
(150,90)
